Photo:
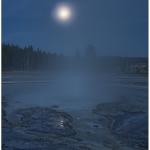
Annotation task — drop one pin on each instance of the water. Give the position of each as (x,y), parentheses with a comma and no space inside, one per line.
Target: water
(70,91)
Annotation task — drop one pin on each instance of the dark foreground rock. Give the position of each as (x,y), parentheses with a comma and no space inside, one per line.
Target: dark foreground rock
(128,122)
(5,122)
(43,121)
(41,129)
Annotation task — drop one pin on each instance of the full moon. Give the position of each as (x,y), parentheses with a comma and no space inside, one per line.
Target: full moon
(63,13)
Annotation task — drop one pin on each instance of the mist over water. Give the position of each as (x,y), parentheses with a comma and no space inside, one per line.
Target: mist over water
(70,90)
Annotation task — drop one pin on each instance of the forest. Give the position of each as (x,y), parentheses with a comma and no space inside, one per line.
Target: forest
(28,58)
(15,58)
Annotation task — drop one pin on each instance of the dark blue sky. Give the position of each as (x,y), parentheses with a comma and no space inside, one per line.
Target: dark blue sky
(114,27)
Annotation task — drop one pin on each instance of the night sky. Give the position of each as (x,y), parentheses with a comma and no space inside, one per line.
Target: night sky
(114,27)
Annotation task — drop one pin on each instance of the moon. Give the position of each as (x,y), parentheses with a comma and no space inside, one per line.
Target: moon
(63,13)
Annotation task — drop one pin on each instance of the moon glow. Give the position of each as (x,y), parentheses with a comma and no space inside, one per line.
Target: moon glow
(63,13)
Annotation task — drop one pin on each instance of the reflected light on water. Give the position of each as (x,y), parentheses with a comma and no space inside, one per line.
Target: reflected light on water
(60,123)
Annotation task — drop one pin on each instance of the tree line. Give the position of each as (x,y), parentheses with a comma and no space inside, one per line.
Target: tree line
(28,58)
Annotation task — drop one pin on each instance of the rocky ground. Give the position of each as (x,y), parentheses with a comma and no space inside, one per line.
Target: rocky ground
(41,129)
(112,126)
(128,122)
